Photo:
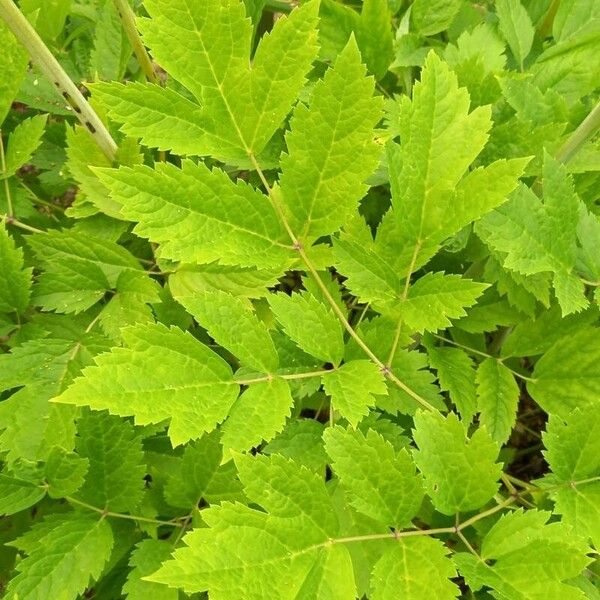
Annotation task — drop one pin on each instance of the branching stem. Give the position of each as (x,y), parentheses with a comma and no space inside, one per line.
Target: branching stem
(327,294)
(12,221)
(115,515)
(485,355)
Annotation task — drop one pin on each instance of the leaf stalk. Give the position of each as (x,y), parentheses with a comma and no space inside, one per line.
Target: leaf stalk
(45,60)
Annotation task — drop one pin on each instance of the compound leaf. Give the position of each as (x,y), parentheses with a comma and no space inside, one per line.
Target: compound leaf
(540,237)
(244,551)
(520,546)
(241,107)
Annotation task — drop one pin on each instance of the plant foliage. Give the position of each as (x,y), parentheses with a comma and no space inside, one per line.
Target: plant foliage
(325,325)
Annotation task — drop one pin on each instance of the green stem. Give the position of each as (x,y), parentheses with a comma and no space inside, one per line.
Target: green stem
(37,200)
(12,221)
(483,354)
(486,513)
(46,61)
(588,127)
(411,268)
(278,6)
(289,376)
(9,205)
(393,535)
(339,313)
(115,515)
(128,20)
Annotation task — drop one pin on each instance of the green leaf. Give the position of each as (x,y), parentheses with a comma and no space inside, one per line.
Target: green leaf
(460,473)
(432,196)
(498,397)
(161,117)
(112,50)
(78,269)
(369,277)
(115,478)
(63,558)
(432,16)
(242,107)
(51,15)
(588,233)
(521,546)
(190,280)
(353,388)
(258,415)
(331,150)
(13,70)
(567,376)
(83,154)
(415,569)
(532,338)
(575,18)
(279,486)
(17,495)
(249,341)
(436,298)
(456,376)
(382,482)
(243,551)
(301,441)
(15,279)
(374,36)
(146,380)
(146,558)
(23,142)
(64,472)
(130,304)
(199,215)
(195,475)
(311,324)
(573,453)
(539,237)
(477,58)
(516,28)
